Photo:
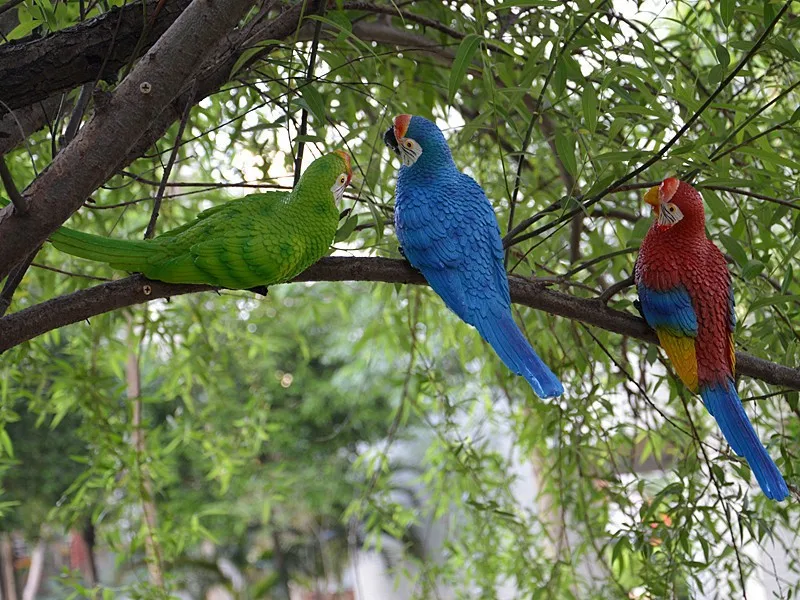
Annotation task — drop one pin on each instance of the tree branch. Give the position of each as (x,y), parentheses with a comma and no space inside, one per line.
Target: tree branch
(105,141)
(34,69)
(136,289)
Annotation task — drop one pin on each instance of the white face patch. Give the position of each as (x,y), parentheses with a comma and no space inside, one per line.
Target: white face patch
(339,186)
(669,214)
(409,150)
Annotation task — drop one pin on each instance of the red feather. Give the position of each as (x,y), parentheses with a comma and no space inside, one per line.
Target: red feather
(683,255)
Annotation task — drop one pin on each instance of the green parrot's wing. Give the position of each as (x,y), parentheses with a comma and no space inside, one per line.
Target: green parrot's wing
(231,207)
(268,253)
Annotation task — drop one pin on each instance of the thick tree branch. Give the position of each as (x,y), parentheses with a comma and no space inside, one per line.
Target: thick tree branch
(104,142)
(35,69)
(78,306)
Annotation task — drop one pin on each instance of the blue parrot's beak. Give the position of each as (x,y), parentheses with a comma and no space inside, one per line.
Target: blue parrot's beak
(391,141)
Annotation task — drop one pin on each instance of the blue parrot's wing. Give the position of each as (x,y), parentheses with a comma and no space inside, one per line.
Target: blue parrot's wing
(448,230)
(669,310)
(450,233)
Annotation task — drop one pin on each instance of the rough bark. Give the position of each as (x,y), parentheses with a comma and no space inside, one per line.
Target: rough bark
(34,69)
(136,289)
(104,142)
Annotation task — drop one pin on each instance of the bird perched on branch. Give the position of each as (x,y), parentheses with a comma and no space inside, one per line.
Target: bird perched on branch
(257,240)
(686,296)
(448,230)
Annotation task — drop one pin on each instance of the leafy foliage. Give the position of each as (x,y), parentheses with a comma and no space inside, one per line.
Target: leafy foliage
(293,416)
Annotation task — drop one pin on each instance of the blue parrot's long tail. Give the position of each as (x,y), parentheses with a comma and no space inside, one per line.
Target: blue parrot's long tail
(514,350)
(724,404)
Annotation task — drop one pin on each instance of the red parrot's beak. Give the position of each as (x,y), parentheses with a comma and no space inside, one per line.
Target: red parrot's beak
(651,197)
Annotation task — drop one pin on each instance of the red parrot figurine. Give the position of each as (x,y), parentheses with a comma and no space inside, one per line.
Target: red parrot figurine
(686,296)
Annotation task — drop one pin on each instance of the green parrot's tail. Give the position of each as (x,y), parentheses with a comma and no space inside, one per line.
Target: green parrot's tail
(120,254)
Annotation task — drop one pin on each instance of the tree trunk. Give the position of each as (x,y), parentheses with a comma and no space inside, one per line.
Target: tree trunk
(7,560)
(282,593)
(151,545)
(35,572)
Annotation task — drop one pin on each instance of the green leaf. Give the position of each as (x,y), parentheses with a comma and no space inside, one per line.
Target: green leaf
(752,269)
(726,10)
(249,53)
(525,3)
(787,48)
(770,157)
(716,74)
(774,300)
(734,248)
(559,81)
(769,12)
(309,139)
(722,55)
(464,54)
(315,103)
(717,206)
(787,279)
(343,21)
(5,441)
(565,147)
(346,229)
(589,102)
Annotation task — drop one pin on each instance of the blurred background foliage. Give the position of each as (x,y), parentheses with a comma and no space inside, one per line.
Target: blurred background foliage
(283,433)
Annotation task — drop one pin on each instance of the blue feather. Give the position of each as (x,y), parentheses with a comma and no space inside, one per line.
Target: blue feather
(671,310)
(448,230)
(724,404)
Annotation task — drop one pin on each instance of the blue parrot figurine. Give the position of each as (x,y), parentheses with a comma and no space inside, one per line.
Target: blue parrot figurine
(448,230)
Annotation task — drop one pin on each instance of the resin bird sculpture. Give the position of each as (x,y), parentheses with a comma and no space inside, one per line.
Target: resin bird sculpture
(448,230)
(686,296)
(257,240)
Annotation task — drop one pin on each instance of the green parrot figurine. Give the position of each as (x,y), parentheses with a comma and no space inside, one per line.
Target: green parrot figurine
(257,240)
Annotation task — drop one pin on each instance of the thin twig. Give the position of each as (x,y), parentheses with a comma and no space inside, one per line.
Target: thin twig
(13,280)
(20,204)
(77,112)
(9,5)
(70,273)
(615,288)
(733,190)
(535,117)
(151,226)
(298,163)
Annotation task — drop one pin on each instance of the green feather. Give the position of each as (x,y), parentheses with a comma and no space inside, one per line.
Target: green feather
(260,239)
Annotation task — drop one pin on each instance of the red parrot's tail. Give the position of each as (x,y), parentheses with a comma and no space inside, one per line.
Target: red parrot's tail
(724,404)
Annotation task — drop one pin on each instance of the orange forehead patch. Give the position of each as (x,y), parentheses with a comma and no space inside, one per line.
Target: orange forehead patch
(401,125)
(668,188)
(346,157)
